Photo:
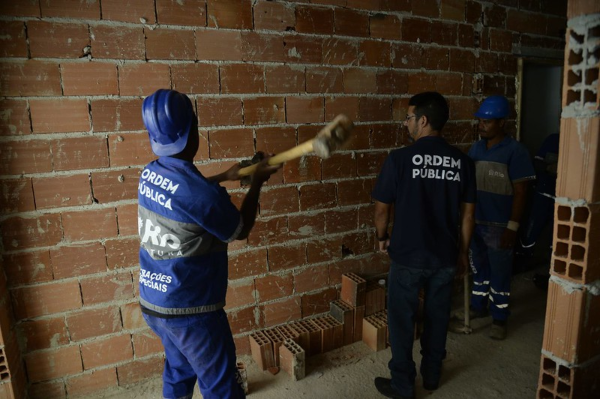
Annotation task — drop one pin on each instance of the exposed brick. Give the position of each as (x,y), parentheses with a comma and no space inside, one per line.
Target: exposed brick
(48,116)
(339,166)
(131,314)
(358,243)
(195,78)
(473,12)
(304,109)
(286,257)
(314,20)
(406,56)
(391,81)
(57,40)
(41,300)
(43,334)
(89,79)
(146,343)
(115,185)
(444,33)
(284,79)
(143,79)
(107,288)
(262,47)
(318,302)
(339,51)
(231,143)
(16,196)
(462,108)
(130,149)
(170,44)
(90,224)
(462,60)
(219,111)
(139,370)
(386,135)
(306,225)
(420,82)
(27,8)
(274,230)
(47,390)
(14,118)
(273,287)
(324,80)
(466,35)
(230,14)
(55,363)
(264,110)
(77,260)
(341,221)
(374,109)
(312,278)
(28,267)
(282,200)
(80,153)
(375,53)
(29,78)
(494,16)
(317,196)
(13,41)
(416,30)
(242,78)
(487,62)
(127,219)
(118,42)
(136,11)
(526,22)
(326,250)
(426,8)
(347,106)
(122,253)
(108,351)
(216,45)
(448,83)
(93,323)
(453,9)
(69,9)
(249,263)
(112,115)
(21,233)
(299,47)
(351,23)
(96,380)
(303,169)
(385,26)
(239,293)
(368,164)
(245,320)
(59,191)
(190,12)
(273,16)
(282,311)
(500,40)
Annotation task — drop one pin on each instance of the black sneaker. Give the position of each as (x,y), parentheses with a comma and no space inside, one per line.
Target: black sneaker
(384,386)
(430,386)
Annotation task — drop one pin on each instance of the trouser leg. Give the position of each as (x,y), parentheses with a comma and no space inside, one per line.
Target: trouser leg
(481,270)
(403,302)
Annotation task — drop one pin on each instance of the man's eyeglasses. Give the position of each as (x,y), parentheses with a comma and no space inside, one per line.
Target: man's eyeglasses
(408,117)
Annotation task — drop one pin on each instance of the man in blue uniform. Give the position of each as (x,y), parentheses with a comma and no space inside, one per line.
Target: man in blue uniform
(185,221)
(503,171)
(431,186)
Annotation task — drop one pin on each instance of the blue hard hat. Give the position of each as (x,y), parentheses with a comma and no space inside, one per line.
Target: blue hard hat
(168,116)
(493,107)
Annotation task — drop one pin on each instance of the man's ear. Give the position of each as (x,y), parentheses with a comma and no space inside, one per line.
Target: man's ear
(424,121)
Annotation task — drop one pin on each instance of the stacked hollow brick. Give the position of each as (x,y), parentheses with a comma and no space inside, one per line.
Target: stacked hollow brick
(262,75)
(571,346)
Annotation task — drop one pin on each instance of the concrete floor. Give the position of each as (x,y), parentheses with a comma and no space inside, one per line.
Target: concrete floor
(476,366)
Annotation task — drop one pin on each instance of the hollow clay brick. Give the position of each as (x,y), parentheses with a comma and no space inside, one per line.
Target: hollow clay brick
(326,331)
(374,333)
(359,314)
(338,332)
(292,359)
(579,160)
(374,298)
(314,334)
(575,256)
(261,348)
(572,328)
(344,313)
(277,339)
(562,380)
(353,289)
(288,332)
(303,336)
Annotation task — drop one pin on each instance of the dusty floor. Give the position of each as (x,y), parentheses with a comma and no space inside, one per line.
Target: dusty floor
(476,366)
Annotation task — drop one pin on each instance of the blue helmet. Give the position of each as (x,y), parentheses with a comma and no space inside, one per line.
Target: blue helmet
(168,116)
(493,107)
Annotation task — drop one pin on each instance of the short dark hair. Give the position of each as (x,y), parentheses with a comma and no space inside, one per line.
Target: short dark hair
(433,105)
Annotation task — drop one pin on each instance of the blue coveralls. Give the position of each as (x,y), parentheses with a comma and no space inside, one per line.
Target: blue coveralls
(184,224)
(497,168)
(426,183)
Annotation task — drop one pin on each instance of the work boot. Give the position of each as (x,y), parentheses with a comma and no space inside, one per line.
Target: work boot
(498,330)
(473,314)
(384,386)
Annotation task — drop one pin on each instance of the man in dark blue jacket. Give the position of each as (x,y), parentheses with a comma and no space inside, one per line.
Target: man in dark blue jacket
(431,186)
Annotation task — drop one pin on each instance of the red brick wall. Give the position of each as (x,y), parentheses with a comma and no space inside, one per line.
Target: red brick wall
(264,75)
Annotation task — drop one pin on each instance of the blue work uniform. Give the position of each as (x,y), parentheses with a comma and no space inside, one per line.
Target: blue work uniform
(184,223)
(498,168)
(426,183)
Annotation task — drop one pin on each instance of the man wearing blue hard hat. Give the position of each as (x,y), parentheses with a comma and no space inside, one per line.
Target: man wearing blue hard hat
(503,168)
(185,221)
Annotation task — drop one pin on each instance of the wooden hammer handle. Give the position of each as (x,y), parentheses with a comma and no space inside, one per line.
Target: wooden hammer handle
(280,158)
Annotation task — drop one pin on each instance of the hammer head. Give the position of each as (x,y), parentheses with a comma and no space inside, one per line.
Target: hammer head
(332,136)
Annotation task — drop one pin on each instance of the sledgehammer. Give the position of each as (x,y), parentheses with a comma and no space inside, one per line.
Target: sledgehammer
(330,138)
